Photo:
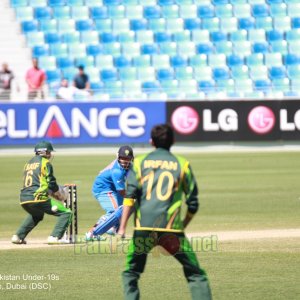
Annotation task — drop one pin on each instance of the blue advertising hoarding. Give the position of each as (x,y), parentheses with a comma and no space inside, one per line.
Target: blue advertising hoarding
(79,123)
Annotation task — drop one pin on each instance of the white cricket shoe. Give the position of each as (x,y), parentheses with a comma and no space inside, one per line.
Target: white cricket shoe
(53,240)
(16,240)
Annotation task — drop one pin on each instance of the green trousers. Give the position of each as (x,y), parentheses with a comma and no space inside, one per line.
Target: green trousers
(36,213)
(177,245)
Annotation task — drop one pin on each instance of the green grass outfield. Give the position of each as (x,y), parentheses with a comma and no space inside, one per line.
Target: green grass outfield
(238,191)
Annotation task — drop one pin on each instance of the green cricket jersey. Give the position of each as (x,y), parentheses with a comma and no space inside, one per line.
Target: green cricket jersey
(38,178)
(159,182)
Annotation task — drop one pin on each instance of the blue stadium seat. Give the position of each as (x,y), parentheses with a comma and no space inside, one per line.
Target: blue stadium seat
(184,73)
(206,86)
(202,73)
(186,48)
(211,24)
(278,9)
(152,12)
(178,61)
(42,13)
(258,72)
(159,61)
(64,62)
(293,72)
(34,38)
(109,75)
(103,61)
(181,36)
(141,61)
(94,50)
(112,2)
(74,2)
(157,25)
(292,59)
(89,37)
(192,24)
(98,12)
(47,63)
(127,74)
(61,12)
(239,35)
(217,60)
(146,74)
(260,48)
(59,50)
(52,38)
(122,62)
(204,48)
(220,73)
(86,61)
(48,25)
(257,35)
(71,37)
(169,48)
(113,49)
(256,59)
(239,72)
(160,37)
(24,13)
(65,25)
(83,25)
(28,26)
(149,49)
(53,76)
(56,2)
(96,87)
(241,10)
(265,23)
(131,49)
(274,35)
(218,36)
(166,2)
(281,84)
(223,11)
(279,46)
(116,12)
(260,10)
(229,24)
(234,60)
(273,59)
(126,37)
(262,85)
(134,11)
(165,74)
(138,24)
(277,73)
(282,23)
(107,37)
(246,23)
(242,47)
(37,3)
(144,36)
(200,36)
(295,22)
(38,51)
(293,35)
(69,73)
(150,87)
(18,3)
(198,60)
(80,13)
(206,11)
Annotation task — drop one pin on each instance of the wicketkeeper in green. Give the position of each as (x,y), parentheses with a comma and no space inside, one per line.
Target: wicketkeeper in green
(156,185)
(39,187)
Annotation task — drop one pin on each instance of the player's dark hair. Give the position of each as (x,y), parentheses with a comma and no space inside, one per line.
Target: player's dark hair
(162,136)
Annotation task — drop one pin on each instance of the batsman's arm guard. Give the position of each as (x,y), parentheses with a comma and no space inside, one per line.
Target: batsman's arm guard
(61,194)
(112,220)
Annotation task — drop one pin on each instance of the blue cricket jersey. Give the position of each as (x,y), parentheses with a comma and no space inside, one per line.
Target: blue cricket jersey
(110,179)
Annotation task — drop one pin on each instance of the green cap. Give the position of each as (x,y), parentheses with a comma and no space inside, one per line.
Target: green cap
(43,146)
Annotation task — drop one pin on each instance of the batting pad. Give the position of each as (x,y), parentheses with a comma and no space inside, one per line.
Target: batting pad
(111,221)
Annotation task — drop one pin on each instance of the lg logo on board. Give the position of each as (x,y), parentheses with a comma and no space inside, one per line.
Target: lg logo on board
(261,120)
(185,120)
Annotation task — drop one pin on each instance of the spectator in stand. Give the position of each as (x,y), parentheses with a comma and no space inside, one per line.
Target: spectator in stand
(65,92)
(6,77)
(81,84)
(35,78)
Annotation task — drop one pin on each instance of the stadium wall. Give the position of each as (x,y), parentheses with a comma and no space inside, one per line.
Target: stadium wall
(131,122)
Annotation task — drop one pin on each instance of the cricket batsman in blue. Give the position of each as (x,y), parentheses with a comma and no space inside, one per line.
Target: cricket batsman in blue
(109,190)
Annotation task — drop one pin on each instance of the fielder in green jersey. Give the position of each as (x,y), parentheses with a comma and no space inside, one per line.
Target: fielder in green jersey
(157,185)
(39,184)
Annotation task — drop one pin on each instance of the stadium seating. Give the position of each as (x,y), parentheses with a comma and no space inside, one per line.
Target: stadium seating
(189,47)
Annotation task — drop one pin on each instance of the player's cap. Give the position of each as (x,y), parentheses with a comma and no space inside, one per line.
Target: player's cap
(125,151)
(43,146)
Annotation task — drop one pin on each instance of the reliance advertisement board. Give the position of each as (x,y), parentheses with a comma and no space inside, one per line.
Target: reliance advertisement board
(235,120)
(79,123)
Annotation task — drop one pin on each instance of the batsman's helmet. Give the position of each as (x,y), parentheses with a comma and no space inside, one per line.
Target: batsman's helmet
(125,156)
(43,147)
